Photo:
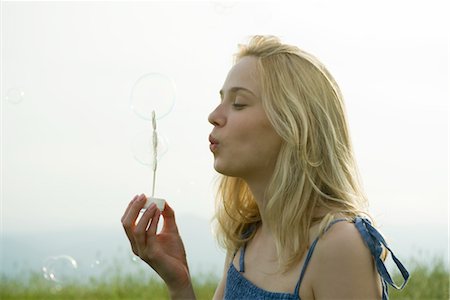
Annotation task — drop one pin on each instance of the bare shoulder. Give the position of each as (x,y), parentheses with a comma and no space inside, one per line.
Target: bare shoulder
(343,241)
(343,265)
(220,290)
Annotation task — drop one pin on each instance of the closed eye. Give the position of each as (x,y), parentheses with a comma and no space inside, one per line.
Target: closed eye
(239,105)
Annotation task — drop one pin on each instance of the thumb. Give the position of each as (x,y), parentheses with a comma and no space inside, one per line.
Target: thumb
(170,224)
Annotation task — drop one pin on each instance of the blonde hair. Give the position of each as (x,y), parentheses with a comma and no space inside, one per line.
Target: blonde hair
(315,166)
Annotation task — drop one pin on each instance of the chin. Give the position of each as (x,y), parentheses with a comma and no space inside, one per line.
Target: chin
(220,168)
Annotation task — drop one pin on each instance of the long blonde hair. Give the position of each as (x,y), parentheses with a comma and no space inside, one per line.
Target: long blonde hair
(315,167)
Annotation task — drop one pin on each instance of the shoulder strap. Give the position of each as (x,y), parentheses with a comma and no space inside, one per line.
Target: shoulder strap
(241,259)
(375,242)
(308,256)
(246,234)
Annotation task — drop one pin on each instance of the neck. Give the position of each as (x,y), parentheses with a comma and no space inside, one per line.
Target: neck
(263,242)
(258,188)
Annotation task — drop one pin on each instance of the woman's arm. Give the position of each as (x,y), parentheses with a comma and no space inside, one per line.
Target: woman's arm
(344,267)
(221,287)
(164,252)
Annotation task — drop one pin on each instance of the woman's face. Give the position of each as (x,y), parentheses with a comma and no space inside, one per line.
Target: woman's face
(243,141)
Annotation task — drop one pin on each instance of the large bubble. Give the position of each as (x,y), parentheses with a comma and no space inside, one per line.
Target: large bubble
(153,92)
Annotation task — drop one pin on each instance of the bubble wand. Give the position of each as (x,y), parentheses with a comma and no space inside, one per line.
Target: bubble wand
(155,153)
(160,203)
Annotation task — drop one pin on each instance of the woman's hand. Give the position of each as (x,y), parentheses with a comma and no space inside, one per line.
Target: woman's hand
(164,252)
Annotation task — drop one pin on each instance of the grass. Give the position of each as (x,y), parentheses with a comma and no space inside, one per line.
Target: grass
(135,286)
(427,282)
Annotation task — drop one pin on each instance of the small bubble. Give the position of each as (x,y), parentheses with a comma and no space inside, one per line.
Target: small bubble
(55,289)
(223,7)
(134,258)
(15,96)
(60,269)
(153,92)
(96,268)
(95,264)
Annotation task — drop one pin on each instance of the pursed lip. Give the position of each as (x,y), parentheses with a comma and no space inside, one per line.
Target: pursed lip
(213,143)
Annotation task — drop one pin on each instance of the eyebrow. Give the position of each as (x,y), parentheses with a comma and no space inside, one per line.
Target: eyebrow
(236,89)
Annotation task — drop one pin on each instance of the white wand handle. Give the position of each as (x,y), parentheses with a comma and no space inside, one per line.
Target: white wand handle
(160,203)
(155,153)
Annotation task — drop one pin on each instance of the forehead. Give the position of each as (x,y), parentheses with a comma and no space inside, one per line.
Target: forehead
(244,74)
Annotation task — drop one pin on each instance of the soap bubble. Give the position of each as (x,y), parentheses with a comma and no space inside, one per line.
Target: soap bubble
(56,289)
(134,258)
(15,95)
(60,269)
(223,7)
(153,92)
(96,268)
(95,264)
(142,147)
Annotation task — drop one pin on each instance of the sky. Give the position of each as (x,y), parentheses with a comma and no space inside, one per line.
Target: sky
(67,75)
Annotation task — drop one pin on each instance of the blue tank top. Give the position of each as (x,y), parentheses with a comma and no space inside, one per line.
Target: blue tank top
(239,287)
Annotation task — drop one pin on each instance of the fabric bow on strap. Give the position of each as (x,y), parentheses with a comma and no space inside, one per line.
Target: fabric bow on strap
(375,242)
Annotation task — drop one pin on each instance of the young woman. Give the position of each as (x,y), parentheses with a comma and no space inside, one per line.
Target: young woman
(291,212)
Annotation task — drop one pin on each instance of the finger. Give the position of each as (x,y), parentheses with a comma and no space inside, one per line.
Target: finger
(141,226)
(133,212)
(151,232)
(127,223)
(169,219)
(128,207)
(129,219)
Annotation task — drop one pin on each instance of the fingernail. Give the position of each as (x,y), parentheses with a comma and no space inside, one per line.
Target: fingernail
(151,207)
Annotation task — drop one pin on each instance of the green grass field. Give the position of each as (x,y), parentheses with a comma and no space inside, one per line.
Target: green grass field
(427,282)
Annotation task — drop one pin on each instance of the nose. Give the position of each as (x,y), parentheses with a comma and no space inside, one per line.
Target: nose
(216,117)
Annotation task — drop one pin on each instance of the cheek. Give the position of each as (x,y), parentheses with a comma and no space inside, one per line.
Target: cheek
(253,136)
(262,144)
(268,135)
(268,147)
(240,131)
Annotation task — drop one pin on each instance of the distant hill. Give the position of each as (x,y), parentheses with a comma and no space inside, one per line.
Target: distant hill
(97,250)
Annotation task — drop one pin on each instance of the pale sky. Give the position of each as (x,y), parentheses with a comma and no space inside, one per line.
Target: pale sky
(68,69)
